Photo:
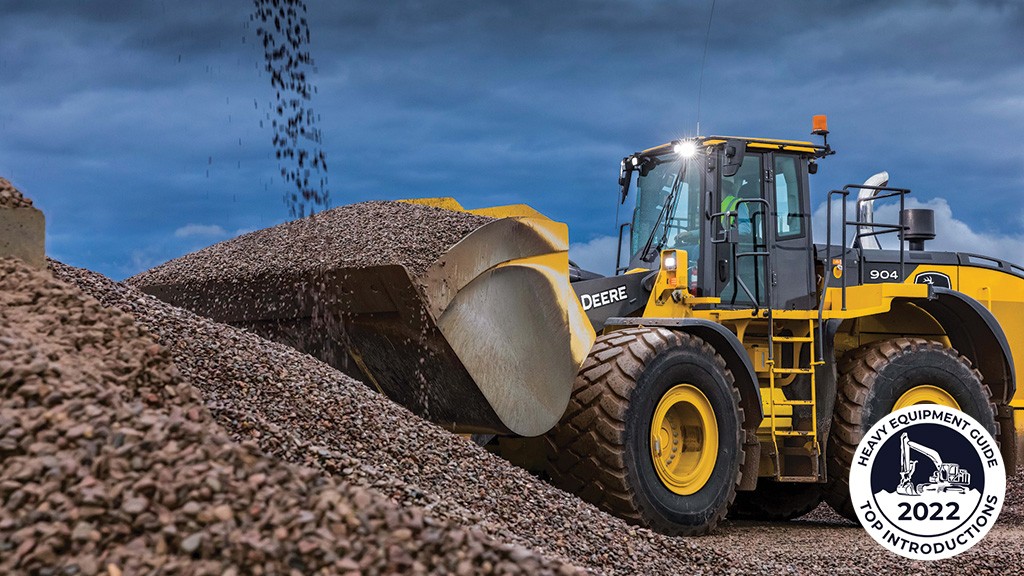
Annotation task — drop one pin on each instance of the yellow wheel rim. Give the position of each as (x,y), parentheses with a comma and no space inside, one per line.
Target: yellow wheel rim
(926,394)
(684,439)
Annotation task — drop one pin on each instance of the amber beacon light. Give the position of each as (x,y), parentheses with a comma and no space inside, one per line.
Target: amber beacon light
(820,125)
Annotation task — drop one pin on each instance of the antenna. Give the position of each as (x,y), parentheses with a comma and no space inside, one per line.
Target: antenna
(703,60)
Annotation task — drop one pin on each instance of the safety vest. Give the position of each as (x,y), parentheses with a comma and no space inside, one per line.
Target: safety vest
(729,204)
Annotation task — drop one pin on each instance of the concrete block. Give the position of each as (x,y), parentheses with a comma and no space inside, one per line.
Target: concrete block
(23,235)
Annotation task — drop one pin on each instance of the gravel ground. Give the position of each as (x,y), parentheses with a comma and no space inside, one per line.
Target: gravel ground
(111,463)
(11,197)
(301,410)
(352,236)
(1013,510)
(825,543)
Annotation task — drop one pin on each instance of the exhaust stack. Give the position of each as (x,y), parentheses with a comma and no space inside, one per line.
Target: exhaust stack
(866,212)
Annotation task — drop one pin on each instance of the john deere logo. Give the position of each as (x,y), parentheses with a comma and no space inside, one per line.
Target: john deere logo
(928,482)
(605,298)
(937,279)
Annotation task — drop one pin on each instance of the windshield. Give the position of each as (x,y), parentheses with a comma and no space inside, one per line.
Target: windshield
(679,227)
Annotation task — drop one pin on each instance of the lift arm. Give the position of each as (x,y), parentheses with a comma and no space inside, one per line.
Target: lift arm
(932,454)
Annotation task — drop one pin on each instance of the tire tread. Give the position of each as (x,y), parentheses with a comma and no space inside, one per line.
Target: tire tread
(859,370)
(586,450)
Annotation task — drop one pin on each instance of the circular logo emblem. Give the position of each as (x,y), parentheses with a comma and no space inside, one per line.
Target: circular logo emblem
(927,482)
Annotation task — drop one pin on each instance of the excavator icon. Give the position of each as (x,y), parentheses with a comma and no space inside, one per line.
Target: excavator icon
(948,476)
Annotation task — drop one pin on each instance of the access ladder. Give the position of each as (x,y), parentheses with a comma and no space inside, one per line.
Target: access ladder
(780,433)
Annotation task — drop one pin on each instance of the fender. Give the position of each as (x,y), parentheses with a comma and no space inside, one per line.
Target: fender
(603,298)
(826,378)
(727,345)
(975,333)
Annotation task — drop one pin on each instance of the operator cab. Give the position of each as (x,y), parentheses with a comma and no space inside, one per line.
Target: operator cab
(740,210)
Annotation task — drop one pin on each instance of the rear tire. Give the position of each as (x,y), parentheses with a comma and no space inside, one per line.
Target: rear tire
(602,450)
(776,501)
(873,379)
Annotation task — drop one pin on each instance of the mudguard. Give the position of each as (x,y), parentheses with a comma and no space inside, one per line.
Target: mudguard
(731,350)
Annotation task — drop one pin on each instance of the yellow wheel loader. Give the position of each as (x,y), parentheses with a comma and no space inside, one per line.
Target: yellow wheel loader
(731,365)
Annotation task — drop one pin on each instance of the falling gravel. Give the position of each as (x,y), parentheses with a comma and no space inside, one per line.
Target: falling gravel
(11,197)
(301,410)
(283,29)
(111,463)
(359,235)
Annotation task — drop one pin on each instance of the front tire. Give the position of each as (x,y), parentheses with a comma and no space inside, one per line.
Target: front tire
(883,376)
(653,432)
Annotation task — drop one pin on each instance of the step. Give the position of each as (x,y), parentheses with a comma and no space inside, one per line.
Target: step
(805,479)
(795,433)
(805,451)
(792,370)
(795,403)
(793,339)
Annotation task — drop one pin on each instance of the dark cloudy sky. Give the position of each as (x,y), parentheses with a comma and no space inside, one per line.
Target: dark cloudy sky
(136,125)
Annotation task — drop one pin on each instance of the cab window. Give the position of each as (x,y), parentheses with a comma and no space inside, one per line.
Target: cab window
(789,213)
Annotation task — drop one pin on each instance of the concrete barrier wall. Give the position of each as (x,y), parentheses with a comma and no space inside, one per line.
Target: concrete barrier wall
(23,235)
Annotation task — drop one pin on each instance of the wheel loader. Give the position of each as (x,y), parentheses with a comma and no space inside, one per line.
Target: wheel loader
(947,476)
(730,366)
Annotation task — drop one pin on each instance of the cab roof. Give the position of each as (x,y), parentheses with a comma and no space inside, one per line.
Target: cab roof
(799,146)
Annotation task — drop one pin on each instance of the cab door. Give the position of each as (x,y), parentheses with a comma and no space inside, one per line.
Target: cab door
(740,275)
(792,248)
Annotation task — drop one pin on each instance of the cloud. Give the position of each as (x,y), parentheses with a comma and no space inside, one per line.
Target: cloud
(493,103)
(951,233)
(596,255)
(206,230)
(142,260)
(955,235)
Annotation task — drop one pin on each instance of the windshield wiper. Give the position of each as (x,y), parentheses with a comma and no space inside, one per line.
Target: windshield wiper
(646,254)
(674,199)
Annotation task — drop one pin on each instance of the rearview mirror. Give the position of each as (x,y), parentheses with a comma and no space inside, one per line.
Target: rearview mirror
(733,157)
(625,176)
(646,165)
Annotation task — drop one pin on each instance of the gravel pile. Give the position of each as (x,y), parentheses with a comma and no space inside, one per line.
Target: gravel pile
(111,463)
(11,197)
(353,236)
(301,410)
(304,411)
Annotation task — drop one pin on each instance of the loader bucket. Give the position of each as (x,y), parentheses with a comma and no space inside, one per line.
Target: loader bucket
(488,338)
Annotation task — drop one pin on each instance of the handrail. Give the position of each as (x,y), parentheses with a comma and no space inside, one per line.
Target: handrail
(618,250)
(760,251)
(878,229)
